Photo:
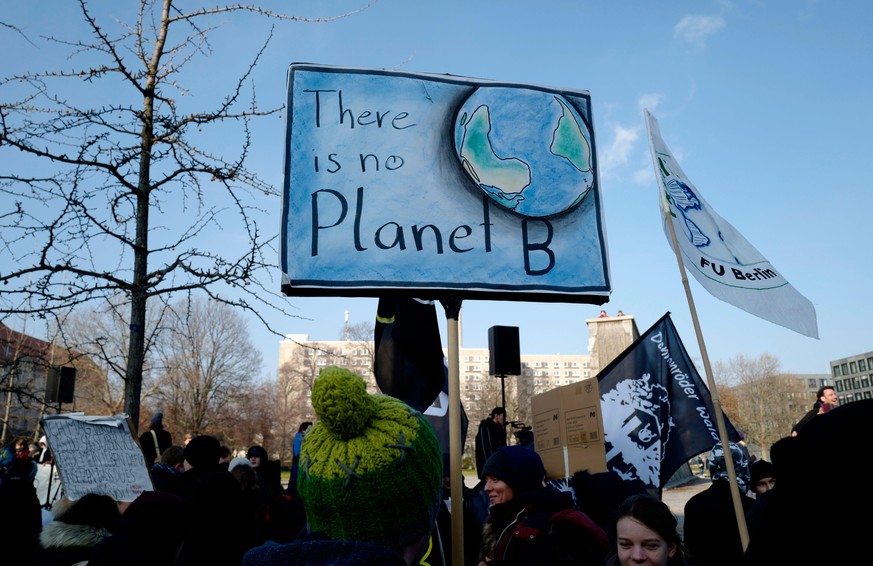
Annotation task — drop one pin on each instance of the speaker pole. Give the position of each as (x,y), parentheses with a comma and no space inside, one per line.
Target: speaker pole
(48,494)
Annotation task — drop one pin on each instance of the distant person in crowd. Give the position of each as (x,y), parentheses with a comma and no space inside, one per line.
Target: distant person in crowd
(816,512)
(763,476)
(741,443)
(225,455)
(619,313)
(530,522)
(825,401)
(155,440)
(599,495)
(712,534)
(602,315)
(370,480)
(189,436)
(268,471)
(169,467)
(282,517)
(77,526)
(646,533)
(763,480)
(490,436)
(220,530)
(295,456)
(258,501)
(17,448)
(33,451)
(150,532)
(45,455)
(20,513)
(199,457)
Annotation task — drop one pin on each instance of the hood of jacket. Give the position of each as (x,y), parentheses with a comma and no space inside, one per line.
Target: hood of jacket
(58,534)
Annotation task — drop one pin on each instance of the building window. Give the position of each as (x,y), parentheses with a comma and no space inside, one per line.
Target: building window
(853,368)
(865,382)
(870,363)
(845,368)
(862,365)
(836,371)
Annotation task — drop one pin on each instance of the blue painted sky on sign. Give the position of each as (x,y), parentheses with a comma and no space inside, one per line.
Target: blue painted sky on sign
(766,105)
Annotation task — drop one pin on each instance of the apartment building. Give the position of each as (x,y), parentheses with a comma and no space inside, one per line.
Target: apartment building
(853,377)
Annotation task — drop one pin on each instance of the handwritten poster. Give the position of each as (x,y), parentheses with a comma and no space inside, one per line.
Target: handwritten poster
(410,181)
(97,455)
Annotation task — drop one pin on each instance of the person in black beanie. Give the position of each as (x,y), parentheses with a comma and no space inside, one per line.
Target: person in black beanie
(155,440)
(530,522)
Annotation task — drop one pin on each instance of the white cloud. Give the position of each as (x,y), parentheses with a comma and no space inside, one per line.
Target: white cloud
(644,176)
(650,101)
(620,149)
(697,29)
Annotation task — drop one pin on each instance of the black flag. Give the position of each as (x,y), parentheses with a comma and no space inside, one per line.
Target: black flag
(409,355)
(657,412)
(438,416)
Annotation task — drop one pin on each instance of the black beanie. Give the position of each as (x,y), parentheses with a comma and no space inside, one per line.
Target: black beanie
(521,468)
(202,452)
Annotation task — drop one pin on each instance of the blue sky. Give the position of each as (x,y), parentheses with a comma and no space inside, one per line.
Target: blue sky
(766,106)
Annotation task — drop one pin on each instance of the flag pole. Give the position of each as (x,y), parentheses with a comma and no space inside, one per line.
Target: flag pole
(716,403)
(452,307)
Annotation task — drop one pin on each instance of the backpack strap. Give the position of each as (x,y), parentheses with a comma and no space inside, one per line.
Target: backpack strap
(157,447)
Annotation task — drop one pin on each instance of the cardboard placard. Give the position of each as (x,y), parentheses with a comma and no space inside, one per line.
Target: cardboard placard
(97,455)
(568,429)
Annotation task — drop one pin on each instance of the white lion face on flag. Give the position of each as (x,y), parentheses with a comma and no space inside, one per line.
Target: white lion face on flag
(634,434)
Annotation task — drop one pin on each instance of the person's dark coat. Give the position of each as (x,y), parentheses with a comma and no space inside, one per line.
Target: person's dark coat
(77,527)
(150,533)
(522,532)
(221,530)
(147,442)
(811,414)
(20,515)
(316,550)
(711,533)
(819,494)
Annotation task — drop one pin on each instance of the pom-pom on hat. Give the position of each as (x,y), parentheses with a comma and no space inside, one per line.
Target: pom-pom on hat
(521,468)
(368,454)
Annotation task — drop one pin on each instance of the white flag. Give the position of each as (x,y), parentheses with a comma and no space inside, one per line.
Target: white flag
(718,256)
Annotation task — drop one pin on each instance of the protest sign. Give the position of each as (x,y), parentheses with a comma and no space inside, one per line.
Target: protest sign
(97,455)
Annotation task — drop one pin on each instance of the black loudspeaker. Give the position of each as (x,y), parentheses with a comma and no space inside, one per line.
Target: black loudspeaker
(67,385)
(60,385)
(52,382)
(504,354)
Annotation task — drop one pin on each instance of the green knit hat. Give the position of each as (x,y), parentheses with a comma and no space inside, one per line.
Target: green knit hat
(366,456)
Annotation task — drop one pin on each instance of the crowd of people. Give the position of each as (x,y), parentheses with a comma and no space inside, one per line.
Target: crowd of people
(370,486)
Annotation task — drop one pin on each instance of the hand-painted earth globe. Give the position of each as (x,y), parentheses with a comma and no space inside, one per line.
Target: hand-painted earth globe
(529,150)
